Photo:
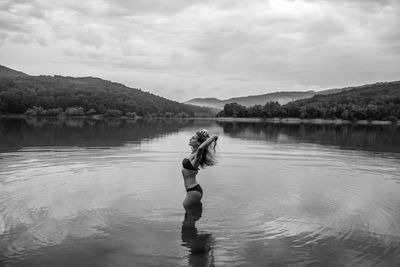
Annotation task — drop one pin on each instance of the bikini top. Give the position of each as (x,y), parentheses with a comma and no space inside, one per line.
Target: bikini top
(188,165)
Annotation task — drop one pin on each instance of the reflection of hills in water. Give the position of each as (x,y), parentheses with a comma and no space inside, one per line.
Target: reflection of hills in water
(382,138)
(37,132)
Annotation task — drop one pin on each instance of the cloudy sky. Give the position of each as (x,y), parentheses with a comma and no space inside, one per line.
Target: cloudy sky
(181,49)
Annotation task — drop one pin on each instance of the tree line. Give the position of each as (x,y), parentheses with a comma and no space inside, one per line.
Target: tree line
(380,101)
(58,95)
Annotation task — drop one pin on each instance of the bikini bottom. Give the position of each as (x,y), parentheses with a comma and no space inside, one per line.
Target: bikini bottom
(195,188)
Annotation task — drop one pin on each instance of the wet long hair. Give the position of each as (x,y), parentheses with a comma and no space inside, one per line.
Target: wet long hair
(208,157)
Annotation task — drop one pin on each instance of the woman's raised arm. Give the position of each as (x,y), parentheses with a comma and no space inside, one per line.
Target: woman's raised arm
(202,148)
(209,140)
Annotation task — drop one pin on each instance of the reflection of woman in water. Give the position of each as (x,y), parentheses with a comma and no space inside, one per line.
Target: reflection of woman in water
(203,151)
(200,245)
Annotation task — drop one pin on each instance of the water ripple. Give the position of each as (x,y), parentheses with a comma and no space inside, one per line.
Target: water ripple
(284,204)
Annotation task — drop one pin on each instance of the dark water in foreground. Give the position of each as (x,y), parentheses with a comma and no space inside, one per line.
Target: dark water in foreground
(109,193)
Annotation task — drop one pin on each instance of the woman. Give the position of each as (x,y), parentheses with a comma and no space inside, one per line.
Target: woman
(203,151)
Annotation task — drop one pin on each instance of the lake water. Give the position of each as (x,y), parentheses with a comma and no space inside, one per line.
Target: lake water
(109,193)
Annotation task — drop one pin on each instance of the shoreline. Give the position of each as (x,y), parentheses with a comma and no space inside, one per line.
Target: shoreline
(91,117)
(221,119)
(97,117)
(305,121)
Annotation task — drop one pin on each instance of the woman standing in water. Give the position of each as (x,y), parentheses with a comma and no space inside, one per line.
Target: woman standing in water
(203,155)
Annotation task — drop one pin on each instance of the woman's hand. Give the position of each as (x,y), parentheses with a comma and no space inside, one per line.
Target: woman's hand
(206,143)
(215,137)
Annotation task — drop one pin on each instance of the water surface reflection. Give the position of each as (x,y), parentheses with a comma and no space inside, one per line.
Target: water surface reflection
(200,244)
(384,138)
(109,193)
(69,132)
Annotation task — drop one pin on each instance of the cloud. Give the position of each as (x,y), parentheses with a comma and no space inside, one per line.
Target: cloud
(233,45)
(3,37)
(21,39)
(12,25)
(151,6)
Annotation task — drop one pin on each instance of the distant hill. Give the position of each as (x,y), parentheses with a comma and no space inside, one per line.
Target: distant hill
(368,94)
(207,102)
(281,97)
(7,72)
(378,101)
(334,91)
(248,101)
(20,92)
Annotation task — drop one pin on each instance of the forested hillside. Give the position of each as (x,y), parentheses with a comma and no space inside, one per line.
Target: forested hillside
(379,101)
(55,95)
(7,72)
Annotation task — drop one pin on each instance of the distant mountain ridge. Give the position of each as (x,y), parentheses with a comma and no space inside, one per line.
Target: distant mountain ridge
(282,98)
